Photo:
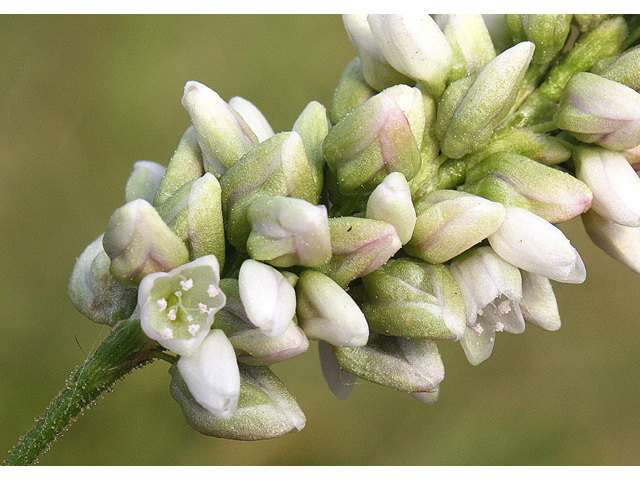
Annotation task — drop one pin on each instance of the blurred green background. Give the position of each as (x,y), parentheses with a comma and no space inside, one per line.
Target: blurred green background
(83,97)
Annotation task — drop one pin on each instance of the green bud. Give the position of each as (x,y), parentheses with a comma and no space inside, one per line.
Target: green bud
(405,364)
(589,21)
(413,299)
(471,43)
(194,213)
(541,147)
(144,181)
(266,409)
(391,202)
(372,141)
(516,180)
(624,69)
(223,134)
(450,222)
(312,126)
(548,32)
(278,166)
(467,126)
(185,166)
(288,231)
(326,312)
(359,246)
(251,345)
(94,292)
(351,92)
(139,243)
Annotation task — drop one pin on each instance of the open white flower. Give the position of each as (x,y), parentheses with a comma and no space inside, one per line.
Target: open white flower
(177,308)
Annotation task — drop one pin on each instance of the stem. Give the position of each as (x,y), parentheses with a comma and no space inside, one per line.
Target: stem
(126,348)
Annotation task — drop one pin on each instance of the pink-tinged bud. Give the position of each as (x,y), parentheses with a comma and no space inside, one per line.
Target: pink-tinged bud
(516,180)
(617,241)
(614,183)
(359,246)
(531,243)
(450,222)
(372,141)
(598,110)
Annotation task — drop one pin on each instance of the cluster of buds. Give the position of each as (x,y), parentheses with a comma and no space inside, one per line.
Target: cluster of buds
(421,207)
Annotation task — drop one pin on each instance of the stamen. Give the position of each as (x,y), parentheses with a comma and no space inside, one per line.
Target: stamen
(499,327)
(186,284)
(167,334)
(478,329)
(213,290)
(162,304)
(203,308)
(172,314)
(193,329)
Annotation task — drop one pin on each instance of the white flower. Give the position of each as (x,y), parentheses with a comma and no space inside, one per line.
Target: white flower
(176,308)
(212,376)
(268,298)
(531,243)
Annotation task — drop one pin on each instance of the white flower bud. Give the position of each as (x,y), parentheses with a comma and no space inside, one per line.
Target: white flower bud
(212,376)
(391,202)
(531,243)
(253,116)
(268,298)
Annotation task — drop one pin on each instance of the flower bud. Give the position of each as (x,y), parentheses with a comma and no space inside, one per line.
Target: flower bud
(359,246)
(139,243)
(450,222)
(265,409)
(405,364)
(589,21)
(94,292)
(278,166)
(617,241)
(144,181)
(177,308)
(288,231)
(539,306)
(531,243)
(415,46)
(491,289)
(268,298)
(339,381)
(351,92)
(541,147)
(464,125)
(513,179)
(326,312)
(185,166)
(251,345)
(312,125)
(391,202)
(548,32)
(597,110)
(375,68)
(211,374)
(624,69)
(614,183)
(371,142)
(223,135)
(413,299)
(253,117)
(194,213)
(410,100)
(469,38)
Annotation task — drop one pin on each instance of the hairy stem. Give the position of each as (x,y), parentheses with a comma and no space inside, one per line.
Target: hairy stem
(126,348)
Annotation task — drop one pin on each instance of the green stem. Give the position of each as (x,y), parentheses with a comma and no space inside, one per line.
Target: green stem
(126,348)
